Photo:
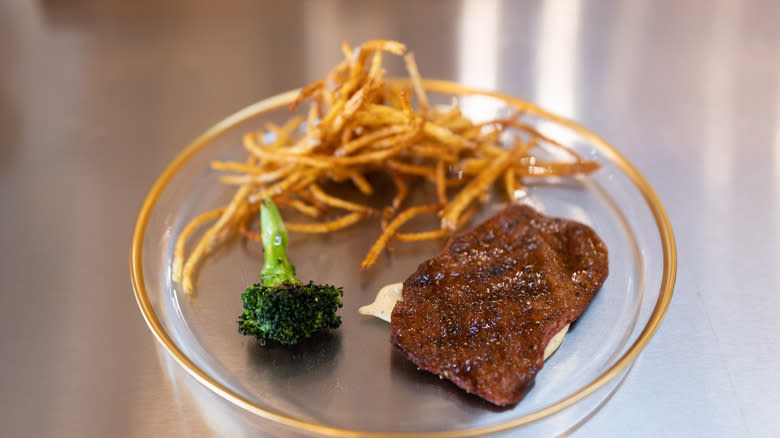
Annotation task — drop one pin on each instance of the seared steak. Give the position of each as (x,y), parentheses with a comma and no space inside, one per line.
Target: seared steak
(481,312)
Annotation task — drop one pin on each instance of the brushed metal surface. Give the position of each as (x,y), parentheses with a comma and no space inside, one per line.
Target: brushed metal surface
(96,98)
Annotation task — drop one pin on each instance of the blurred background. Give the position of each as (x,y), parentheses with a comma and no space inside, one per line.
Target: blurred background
(96,97)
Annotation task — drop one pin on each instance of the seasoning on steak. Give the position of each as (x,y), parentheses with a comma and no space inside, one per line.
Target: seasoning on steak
(481,312)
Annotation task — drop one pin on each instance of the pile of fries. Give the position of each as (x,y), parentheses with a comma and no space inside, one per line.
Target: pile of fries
(357,123)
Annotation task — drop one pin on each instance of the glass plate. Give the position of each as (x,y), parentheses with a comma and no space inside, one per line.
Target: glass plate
(351,381)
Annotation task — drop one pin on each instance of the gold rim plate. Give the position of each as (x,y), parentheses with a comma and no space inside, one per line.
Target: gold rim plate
(665,235)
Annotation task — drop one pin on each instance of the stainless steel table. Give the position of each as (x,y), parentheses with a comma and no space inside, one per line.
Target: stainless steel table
(96,97)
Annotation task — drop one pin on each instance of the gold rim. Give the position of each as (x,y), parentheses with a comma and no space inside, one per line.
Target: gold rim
(264,106)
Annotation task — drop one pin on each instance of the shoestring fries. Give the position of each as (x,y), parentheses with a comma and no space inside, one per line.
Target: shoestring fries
(357,124)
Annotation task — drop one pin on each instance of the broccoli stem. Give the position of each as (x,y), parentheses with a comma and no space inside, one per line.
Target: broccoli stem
(277,269)
(283,309)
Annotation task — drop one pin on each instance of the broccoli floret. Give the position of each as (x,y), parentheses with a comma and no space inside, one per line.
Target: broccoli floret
(289,312)
(281,308)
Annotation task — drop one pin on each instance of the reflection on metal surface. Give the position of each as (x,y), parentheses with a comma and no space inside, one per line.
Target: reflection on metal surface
(777,151)
(776,200)
(776,156)
(718,168)
(321,31)
(557,64)
(558,57)
(217,415)
(479,43)
(622,53)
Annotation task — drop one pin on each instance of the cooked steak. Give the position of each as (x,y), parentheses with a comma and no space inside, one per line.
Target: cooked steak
(481,312)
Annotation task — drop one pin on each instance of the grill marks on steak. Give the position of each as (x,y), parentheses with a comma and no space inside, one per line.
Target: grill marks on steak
(481,312)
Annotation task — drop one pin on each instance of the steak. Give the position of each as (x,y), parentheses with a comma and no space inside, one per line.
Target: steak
(481,312)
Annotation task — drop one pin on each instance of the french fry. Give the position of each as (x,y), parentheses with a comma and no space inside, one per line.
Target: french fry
(333,201)
(477,186)
(423,235)
(351,147)
(441,182)
(251,235)
(326,227)
(307,92)
(509,183)
(299,205)
(559,169)
(399,220)
(178,259)
(414,74)
(211,237)
(356,123)
(362,184)
(412,169)
(255,176)
(403,190)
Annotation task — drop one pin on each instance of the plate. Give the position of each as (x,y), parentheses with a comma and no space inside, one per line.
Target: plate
(351,381)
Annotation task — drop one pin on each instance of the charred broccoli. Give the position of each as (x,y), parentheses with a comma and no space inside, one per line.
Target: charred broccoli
(281,308)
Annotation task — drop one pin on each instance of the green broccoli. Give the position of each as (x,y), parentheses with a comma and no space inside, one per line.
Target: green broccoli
(281,308)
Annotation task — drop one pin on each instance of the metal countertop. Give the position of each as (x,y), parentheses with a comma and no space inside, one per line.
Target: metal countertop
(97,97)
